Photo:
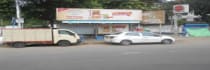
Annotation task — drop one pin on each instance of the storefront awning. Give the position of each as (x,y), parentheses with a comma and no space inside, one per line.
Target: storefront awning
(101,21)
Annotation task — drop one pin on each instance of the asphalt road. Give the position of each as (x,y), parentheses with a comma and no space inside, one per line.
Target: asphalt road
(190,54)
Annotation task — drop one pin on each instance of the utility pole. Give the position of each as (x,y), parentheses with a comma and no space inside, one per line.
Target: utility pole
(175,17)
(18,14)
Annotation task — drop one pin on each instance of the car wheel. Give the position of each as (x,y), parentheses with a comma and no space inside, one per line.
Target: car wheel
(166,41)
(18,45)
(125,42)
(64,43)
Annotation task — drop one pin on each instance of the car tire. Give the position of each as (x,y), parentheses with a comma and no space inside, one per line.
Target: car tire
(166,41)
(125,42)
(18,45)
(64,43)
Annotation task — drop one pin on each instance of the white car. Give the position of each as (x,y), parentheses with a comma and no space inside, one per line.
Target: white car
(1,40)
(127,38)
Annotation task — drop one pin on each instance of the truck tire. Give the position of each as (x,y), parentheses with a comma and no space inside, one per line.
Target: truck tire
(18,45)
(125,42)
(166,41)
(64,43)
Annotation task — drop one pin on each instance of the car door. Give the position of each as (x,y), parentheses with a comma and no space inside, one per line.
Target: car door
(134,37)
(151,37)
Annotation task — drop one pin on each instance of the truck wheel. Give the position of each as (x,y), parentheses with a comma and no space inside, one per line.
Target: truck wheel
(125,42)
(166,41)
(18,45)
(64,43)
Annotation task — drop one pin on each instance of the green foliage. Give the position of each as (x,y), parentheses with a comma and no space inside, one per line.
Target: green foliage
(4,22)
(200,7)
(35,23)
(7,9)
(34,10)
(181,22)
(128,4)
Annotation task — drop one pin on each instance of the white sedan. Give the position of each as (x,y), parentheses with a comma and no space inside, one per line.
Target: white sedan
(1,40)
(127,38)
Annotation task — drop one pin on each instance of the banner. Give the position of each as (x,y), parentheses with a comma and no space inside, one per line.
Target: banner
(112,28)
(104,29)
(71,14)
(113,14)
(181,8)
(120,27)
(101,21)
(154,17)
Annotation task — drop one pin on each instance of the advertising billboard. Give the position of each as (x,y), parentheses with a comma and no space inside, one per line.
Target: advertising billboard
(112,28)
(181,8)
(154,17)
(113,14)
(71,14)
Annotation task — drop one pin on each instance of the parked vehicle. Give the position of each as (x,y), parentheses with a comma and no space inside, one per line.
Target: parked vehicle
(127,38)
(1,40)
(22,37)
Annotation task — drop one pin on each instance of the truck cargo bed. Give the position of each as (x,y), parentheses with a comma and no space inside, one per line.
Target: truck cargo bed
(27,35)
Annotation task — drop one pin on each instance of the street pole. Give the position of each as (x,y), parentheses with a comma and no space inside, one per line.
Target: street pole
(160,29)
(18,13)
(175,17)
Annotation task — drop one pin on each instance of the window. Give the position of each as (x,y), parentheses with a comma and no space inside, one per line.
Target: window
(148,34)
(132,34)
(64,32)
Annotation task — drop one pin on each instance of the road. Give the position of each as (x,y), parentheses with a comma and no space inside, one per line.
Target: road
(190,54)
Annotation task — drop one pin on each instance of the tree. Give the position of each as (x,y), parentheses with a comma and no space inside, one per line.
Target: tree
(7,11)
(128,4)
(200,7)
(46,9)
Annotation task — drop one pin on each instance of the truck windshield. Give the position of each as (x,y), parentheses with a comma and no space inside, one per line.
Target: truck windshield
(64,32)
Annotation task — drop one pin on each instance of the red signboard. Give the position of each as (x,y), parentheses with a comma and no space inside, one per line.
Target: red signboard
(181,8)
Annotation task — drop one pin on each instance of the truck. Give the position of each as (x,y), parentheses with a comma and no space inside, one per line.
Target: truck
(21,37)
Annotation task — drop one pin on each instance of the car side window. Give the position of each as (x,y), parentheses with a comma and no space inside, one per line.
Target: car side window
(147,34)
(132,34)
(64,32)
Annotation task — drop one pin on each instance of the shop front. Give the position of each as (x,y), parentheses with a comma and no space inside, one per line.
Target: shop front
(98,21)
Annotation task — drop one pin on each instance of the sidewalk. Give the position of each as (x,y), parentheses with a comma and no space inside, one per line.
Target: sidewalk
(92,41)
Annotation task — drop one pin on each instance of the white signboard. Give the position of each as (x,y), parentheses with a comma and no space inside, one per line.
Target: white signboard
(97,14)
(72,14)
(154,17)
(20,20)
(111,14)
(181,8)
